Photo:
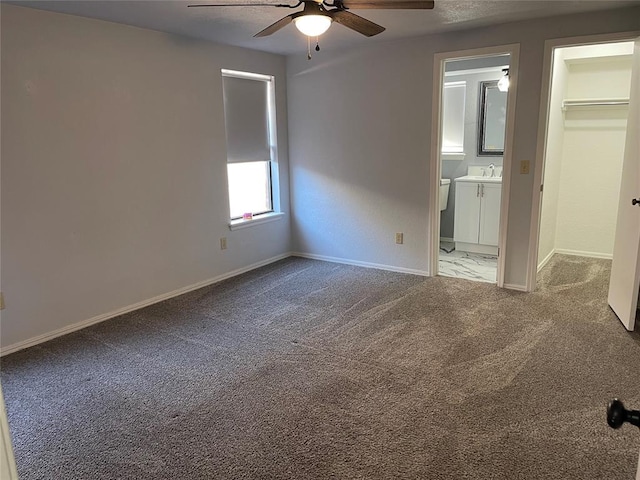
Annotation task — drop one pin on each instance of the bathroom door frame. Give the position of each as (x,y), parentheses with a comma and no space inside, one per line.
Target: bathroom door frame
(543,125)
(513,50)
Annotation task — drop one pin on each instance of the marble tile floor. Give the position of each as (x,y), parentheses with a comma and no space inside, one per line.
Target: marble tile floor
(472,266)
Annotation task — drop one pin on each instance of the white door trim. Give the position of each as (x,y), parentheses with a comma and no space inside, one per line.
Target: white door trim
(434,168)
(541,146)
(8,469)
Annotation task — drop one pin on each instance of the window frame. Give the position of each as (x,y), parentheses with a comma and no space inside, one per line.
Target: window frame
(274,178)
(459,151)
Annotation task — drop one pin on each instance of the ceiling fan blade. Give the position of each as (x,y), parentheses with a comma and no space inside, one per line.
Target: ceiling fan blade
(274,27)
(389,4)
(263,4)
(355,22)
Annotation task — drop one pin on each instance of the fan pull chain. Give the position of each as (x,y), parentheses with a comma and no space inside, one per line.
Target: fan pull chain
(309,46)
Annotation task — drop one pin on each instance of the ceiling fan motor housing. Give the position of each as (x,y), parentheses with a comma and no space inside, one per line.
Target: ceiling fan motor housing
(311,7)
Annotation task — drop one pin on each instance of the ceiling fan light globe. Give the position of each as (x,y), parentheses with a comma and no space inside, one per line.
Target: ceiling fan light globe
(313,25)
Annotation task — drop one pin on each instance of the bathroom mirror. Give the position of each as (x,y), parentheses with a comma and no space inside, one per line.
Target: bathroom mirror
(492,119)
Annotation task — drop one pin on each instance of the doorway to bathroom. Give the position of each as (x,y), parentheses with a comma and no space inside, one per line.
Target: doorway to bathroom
(471,161)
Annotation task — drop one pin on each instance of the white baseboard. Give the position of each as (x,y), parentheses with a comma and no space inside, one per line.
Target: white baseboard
(519,288)
(346,261)
(446,239)
(578,253)
(136,306)
(545,260)
(106,316)
(476,248)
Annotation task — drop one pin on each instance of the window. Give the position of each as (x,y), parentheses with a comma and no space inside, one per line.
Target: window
(249,188)
(249,113)
(453,99)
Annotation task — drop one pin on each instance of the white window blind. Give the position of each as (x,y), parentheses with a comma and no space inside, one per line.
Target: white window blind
(246,115)
(252,172)
(453,100)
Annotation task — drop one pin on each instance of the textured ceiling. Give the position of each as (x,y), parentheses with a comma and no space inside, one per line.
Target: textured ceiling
(237,25)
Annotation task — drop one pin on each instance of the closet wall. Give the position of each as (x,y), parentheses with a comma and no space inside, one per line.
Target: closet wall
(585,150)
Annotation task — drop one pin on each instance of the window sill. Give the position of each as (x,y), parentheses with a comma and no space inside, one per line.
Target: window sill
(258,220)
(452,156)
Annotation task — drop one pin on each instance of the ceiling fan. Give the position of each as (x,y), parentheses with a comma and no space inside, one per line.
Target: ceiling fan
(317,15)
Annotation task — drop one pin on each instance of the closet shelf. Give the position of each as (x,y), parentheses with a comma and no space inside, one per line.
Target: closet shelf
(594,102)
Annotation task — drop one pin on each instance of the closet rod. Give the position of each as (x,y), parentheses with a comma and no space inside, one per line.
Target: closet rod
(594,103)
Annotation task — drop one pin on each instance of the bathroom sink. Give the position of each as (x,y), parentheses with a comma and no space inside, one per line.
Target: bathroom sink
(479,178)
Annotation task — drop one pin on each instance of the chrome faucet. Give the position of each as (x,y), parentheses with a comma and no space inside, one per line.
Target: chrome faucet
(492,167)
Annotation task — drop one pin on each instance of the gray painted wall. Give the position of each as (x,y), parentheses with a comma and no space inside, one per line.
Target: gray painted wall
(360,123)
(114,168)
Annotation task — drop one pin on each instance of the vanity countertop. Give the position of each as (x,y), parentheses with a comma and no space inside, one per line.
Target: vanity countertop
(479,179)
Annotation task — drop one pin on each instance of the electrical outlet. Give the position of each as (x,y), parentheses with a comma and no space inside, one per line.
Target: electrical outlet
(223,243)
(399,238)
(524,167)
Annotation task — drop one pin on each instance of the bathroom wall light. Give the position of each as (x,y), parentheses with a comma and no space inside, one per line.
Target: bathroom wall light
(503,83)
(312,25)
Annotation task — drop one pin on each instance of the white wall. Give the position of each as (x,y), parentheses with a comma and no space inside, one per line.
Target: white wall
(360,122)
(553,163)
(114,168)
(584,153)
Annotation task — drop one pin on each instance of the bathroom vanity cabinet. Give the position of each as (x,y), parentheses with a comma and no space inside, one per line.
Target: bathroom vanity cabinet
(477,214)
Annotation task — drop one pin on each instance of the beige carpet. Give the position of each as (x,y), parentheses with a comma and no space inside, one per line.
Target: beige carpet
(305,370)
